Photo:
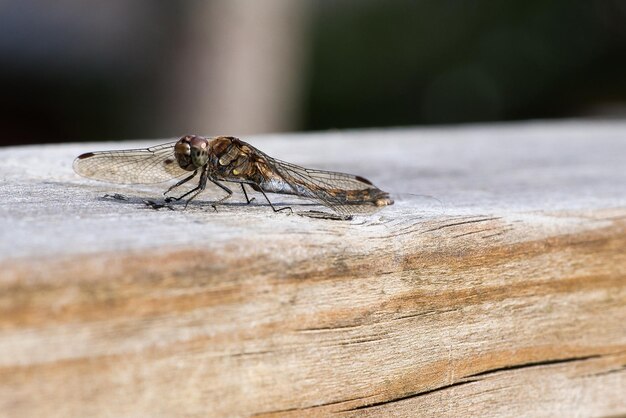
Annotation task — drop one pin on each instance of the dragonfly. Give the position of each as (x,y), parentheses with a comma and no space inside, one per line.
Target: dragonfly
(227,159)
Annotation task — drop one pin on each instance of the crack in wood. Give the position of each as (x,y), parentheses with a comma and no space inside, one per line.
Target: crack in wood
(410,395)
(504,231)
(362,340)
(305,408)
(414,315)
(414,227)
(331,328)
(620,369)
(424,313)
(328,328)
(473,232)
(535,364)
(472,378)
(462,223)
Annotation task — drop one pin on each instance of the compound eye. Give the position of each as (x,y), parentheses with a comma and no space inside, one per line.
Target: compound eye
(199,156)
(182,148)
(182,152)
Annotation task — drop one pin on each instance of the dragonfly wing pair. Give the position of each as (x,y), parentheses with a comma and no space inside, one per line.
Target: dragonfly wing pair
(134,166)
(345,193)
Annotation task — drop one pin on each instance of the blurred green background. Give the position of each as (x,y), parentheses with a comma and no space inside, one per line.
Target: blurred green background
(74,70)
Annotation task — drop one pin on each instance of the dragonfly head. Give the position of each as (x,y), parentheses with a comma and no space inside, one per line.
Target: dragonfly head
(192,152)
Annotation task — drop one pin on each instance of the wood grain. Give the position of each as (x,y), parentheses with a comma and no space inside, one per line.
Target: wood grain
(504,297)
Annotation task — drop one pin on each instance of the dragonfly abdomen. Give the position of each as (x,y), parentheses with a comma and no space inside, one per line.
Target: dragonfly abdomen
(273,185)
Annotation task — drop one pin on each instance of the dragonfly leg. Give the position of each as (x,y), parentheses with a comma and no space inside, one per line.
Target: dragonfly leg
(248,201)
(226,189)
(180,183)
(267,198)
(171,198)
(196,190)
(201,186)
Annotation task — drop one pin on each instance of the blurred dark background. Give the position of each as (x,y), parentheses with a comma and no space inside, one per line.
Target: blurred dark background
(75,70)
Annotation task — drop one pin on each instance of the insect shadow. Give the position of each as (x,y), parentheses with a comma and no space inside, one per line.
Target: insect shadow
(165,204)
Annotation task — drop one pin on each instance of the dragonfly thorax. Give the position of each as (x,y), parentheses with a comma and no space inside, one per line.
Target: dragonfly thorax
(192,152)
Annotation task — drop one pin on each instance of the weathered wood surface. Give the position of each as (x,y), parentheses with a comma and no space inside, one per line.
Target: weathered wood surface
(507,299)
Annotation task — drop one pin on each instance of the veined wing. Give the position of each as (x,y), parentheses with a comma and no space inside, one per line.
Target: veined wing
(147,165)
(345,193)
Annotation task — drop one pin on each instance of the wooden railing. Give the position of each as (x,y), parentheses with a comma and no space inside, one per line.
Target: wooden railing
(502,294)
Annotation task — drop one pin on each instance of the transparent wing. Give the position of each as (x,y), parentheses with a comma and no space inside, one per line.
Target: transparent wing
(345,193)
(148,165)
